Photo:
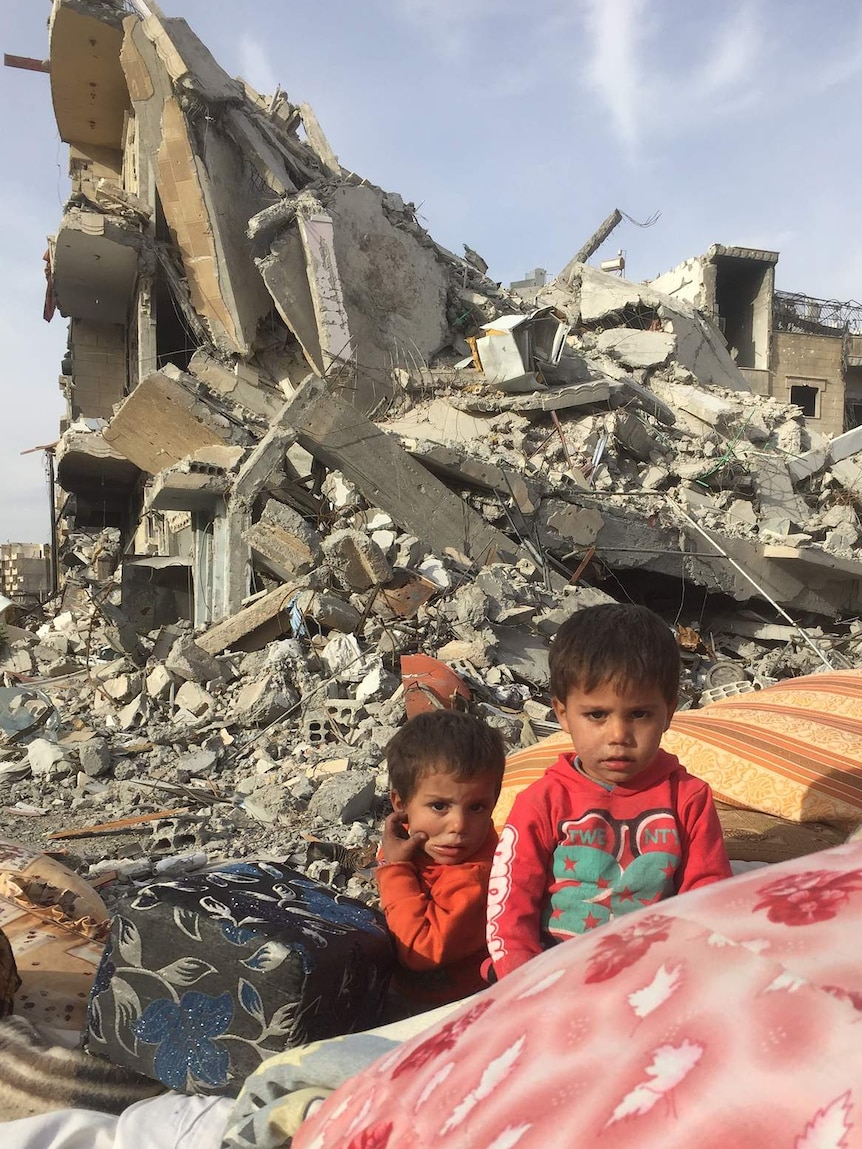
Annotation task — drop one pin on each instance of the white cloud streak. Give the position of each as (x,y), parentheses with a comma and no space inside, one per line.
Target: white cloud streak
(615,29)
(255,65)
(646,94)
(450,23)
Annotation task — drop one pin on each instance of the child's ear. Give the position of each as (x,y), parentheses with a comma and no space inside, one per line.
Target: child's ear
(395,799)
(671,710)
(560,711)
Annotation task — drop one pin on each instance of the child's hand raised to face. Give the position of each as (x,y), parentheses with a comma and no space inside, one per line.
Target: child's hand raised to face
(398,844)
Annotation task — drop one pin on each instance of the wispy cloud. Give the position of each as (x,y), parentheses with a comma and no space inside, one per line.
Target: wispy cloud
(255,65)
(449,23)
(615,68)
(645,92)
(844,66)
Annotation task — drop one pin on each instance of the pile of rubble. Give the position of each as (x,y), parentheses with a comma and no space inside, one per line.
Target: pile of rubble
(367,450)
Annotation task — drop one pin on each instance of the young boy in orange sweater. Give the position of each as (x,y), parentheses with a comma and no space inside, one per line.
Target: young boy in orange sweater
(617,823)
(445,773)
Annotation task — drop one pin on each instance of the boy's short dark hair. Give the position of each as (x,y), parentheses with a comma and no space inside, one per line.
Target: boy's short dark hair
(444,741)
(620,643)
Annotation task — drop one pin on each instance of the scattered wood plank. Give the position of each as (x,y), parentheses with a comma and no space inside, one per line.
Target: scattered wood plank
(117,826)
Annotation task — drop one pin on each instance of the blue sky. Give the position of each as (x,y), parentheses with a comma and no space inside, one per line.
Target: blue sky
(516,128)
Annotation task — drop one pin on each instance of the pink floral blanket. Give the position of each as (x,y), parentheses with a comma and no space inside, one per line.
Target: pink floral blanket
(730,1016)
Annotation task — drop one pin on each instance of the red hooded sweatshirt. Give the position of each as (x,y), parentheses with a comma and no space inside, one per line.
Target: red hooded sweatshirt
(575,853)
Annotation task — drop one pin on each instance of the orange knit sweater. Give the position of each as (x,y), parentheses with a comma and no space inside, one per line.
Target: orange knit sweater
(436,914)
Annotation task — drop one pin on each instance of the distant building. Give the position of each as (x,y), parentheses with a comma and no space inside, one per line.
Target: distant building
(25,571)
(532,283)
(796,348)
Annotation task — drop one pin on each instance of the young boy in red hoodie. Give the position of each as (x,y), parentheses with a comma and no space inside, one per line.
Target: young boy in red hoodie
(616,824)
(445,772)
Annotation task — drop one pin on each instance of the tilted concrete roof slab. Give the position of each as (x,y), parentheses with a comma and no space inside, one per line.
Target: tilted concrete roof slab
(95,267)
(88,88)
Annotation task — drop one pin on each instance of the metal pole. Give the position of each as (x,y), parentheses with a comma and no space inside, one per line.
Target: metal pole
(593,244)
(55,571)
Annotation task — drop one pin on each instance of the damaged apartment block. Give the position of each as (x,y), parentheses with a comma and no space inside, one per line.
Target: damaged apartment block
(290,411)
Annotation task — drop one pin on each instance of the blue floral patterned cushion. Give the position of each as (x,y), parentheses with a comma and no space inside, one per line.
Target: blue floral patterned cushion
(204,978)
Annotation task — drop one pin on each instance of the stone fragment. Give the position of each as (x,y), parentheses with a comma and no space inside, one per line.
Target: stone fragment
(159,682)
(201,763)
(18,662)
(741,513)
(264,701)
(283,539)
(95,757)
(134,714)
(654,477)
(376,685)
(48,760)
(191,662)
(267,803)
(194,699)
(124,688)
(356,560)
(344,797)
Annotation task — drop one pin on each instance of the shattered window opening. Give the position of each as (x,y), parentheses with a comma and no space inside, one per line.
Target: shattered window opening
(806,397)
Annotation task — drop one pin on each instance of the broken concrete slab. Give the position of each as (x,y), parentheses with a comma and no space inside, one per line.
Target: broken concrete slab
(188,487)
(389,478)
(344,797)
(357,286)
(802,467)
(580,525)
(842,446)
(239,383)
(602,301)
(284,541)
(273,616)
(559,398)
(775,489)
(637,349)
(189,63)
(701,410)
(239,632)
(440,422)
(462,469)
(192,662)
(356,560)
(162,422)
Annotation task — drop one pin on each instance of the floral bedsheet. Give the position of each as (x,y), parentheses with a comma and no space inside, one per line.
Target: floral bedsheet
(729,1016)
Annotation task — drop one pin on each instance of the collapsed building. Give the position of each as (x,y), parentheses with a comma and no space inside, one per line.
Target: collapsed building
(304,443)
(788,345)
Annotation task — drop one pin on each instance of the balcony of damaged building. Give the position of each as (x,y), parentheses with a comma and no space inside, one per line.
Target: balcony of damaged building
(285,397)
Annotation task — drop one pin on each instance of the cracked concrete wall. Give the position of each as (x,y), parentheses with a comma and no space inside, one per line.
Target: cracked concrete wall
(98,368)
(812,361)
(394,288)
(199,194)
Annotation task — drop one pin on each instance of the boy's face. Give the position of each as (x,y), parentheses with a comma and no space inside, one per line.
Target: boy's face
(615,732)
(455,815)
